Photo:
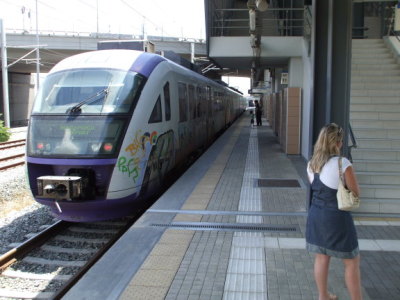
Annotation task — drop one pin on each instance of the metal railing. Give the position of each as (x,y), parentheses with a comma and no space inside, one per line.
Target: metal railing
(390,23)
(353,143)
(273,22)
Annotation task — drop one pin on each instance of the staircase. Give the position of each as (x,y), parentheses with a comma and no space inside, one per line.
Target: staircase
(375,119)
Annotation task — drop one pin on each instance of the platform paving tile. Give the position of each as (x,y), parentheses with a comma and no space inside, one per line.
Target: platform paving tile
(286,270)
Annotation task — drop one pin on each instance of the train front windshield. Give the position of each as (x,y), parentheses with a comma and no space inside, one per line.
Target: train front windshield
(82,113)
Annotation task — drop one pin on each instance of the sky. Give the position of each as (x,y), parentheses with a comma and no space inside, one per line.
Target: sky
(177,18)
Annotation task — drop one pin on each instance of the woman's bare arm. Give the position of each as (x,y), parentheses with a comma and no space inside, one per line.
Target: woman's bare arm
(351,181)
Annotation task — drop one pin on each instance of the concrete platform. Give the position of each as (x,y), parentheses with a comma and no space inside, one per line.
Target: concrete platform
(222,233)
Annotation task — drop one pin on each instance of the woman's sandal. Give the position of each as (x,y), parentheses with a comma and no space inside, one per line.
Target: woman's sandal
(332,296)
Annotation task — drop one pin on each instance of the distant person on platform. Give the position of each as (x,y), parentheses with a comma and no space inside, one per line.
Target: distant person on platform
(258,113)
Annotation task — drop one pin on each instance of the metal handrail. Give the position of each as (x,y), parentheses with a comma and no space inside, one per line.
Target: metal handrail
(353,141)
(307,27)
(391,31)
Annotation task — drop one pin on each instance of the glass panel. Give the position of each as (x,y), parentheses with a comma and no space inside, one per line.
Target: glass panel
(183,107)
(51,136)
(89,91)
(167,102)
(192,104)
(156,115)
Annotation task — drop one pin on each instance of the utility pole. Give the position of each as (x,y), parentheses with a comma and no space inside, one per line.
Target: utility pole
(4,72)
(37,50)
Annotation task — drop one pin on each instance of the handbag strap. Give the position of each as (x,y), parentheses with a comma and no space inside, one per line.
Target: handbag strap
(340,169)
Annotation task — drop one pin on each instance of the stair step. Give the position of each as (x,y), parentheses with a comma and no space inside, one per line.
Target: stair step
(376,93)
(376,132)
(366,72)
(363,50)
(375,154)
(373,60)
(381,191)
(361,42)
(365,123)
(384,206)
(389,144)
(371,54)
(371,78)
(377,166)
(377,178)
(374,100)
(355,115)
(374,86)
(374,67)
(377,108)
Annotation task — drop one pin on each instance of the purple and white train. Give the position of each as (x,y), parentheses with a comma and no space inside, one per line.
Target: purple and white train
(107,127)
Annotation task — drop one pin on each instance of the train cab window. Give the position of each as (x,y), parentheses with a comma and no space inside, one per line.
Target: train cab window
(192,102)
(167,102)
(89,91)
(183,107)
(156,115)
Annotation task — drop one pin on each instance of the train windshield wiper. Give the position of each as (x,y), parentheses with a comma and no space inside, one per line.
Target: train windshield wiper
(88,100)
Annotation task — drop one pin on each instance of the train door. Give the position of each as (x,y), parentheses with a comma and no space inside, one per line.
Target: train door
(158,142)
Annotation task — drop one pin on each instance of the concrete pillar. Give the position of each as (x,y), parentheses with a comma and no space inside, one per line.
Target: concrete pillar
(332,32)
(295,72)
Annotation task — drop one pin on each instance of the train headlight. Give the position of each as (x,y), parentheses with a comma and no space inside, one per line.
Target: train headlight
(95,147)
(108,147)
(59,187)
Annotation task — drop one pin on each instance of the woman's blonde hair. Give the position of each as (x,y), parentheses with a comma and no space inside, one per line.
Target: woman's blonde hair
(326,146)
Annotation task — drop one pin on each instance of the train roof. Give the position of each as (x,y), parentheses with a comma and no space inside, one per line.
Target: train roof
(126,60)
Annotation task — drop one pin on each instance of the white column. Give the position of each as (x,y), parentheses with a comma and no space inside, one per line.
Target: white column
(4,71)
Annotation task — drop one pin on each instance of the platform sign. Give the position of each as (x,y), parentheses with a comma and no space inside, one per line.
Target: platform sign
(284,78)
(258,91)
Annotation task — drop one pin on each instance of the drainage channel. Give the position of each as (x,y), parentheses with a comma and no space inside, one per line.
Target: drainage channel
(229,227)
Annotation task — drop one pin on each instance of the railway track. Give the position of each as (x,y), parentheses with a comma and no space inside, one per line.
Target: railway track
(15,161)
(48,264)
(8,161)
(12,144)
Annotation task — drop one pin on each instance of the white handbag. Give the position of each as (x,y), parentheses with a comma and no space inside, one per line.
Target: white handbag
(346,198)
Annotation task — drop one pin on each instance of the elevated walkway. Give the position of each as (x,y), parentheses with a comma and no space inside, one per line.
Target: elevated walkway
(232,227)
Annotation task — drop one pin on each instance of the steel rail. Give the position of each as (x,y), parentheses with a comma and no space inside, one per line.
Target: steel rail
(36,241)
(20,163)
(12,146)
(82,271)
(12,157)
(12,142)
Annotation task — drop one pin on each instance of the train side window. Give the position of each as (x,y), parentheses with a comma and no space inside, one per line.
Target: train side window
(199,99)
(183,107)
(167,102)
(156,115)
(192,104)
(209,99)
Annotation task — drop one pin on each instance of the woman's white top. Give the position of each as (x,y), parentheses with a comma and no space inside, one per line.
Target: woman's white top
(329,174)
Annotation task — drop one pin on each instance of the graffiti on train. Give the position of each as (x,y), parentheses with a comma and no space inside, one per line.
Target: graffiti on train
(136,154)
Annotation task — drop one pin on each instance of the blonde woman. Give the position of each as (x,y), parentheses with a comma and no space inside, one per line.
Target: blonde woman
(330,232)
